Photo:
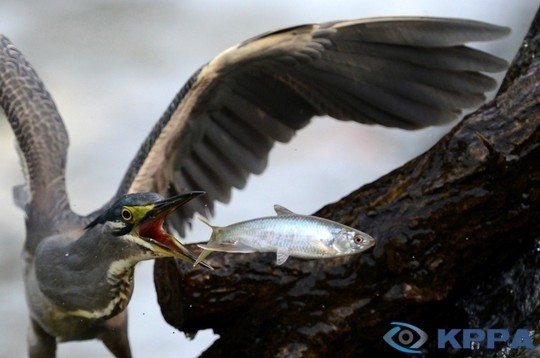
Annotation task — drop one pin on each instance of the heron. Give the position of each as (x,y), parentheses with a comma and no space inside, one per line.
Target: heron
(402,72)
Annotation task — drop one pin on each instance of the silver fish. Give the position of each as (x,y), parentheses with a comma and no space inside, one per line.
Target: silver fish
(287,234)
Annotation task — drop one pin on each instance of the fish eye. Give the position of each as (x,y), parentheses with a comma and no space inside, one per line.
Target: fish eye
(358,239)
(126,214)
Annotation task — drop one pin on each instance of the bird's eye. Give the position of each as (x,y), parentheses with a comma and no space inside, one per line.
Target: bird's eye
(127,215)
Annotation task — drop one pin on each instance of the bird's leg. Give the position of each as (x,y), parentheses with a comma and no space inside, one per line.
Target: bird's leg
(40,343)
(115,336)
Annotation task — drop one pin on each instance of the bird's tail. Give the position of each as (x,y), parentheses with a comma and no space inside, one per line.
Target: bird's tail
(212,242)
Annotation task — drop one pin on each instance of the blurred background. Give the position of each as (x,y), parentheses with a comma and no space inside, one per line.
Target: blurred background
(113,67)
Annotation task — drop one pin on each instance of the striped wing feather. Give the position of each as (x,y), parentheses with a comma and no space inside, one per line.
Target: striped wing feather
(397,72)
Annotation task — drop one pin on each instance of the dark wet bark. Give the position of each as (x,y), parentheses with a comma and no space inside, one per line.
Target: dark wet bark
(458,232)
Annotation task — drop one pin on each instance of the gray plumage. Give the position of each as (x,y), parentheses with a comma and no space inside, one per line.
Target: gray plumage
(397,72)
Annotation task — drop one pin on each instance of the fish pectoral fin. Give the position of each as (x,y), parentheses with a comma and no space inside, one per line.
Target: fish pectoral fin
(204,254)
(281,256)
(280,210)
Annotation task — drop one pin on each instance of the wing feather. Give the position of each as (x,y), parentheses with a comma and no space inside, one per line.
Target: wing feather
(42,141)
(396,72)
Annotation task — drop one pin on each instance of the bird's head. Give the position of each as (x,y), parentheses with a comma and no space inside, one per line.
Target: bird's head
(138,219)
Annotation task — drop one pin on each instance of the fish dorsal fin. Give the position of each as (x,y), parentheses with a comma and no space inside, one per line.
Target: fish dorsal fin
(205,221)
(280,210)
(281,256)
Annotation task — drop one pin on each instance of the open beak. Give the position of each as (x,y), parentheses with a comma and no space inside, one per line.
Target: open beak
(151,228)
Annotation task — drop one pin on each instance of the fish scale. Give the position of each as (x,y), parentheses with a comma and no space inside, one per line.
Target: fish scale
(297,234)
(287,234)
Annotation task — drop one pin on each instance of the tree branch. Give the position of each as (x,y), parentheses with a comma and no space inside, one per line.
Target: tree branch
(457,232)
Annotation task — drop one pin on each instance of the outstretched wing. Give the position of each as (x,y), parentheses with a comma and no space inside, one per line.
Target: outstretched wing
(42,141)
(397,72)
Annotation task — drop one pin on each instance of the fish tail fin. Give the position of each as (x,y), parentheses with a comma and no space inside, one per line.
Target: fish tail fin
(213,239)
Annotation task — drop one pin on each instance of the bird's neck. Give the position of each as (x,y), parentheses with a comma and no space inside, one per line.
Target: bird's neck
(120,279)
(85,277)
(116,273)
